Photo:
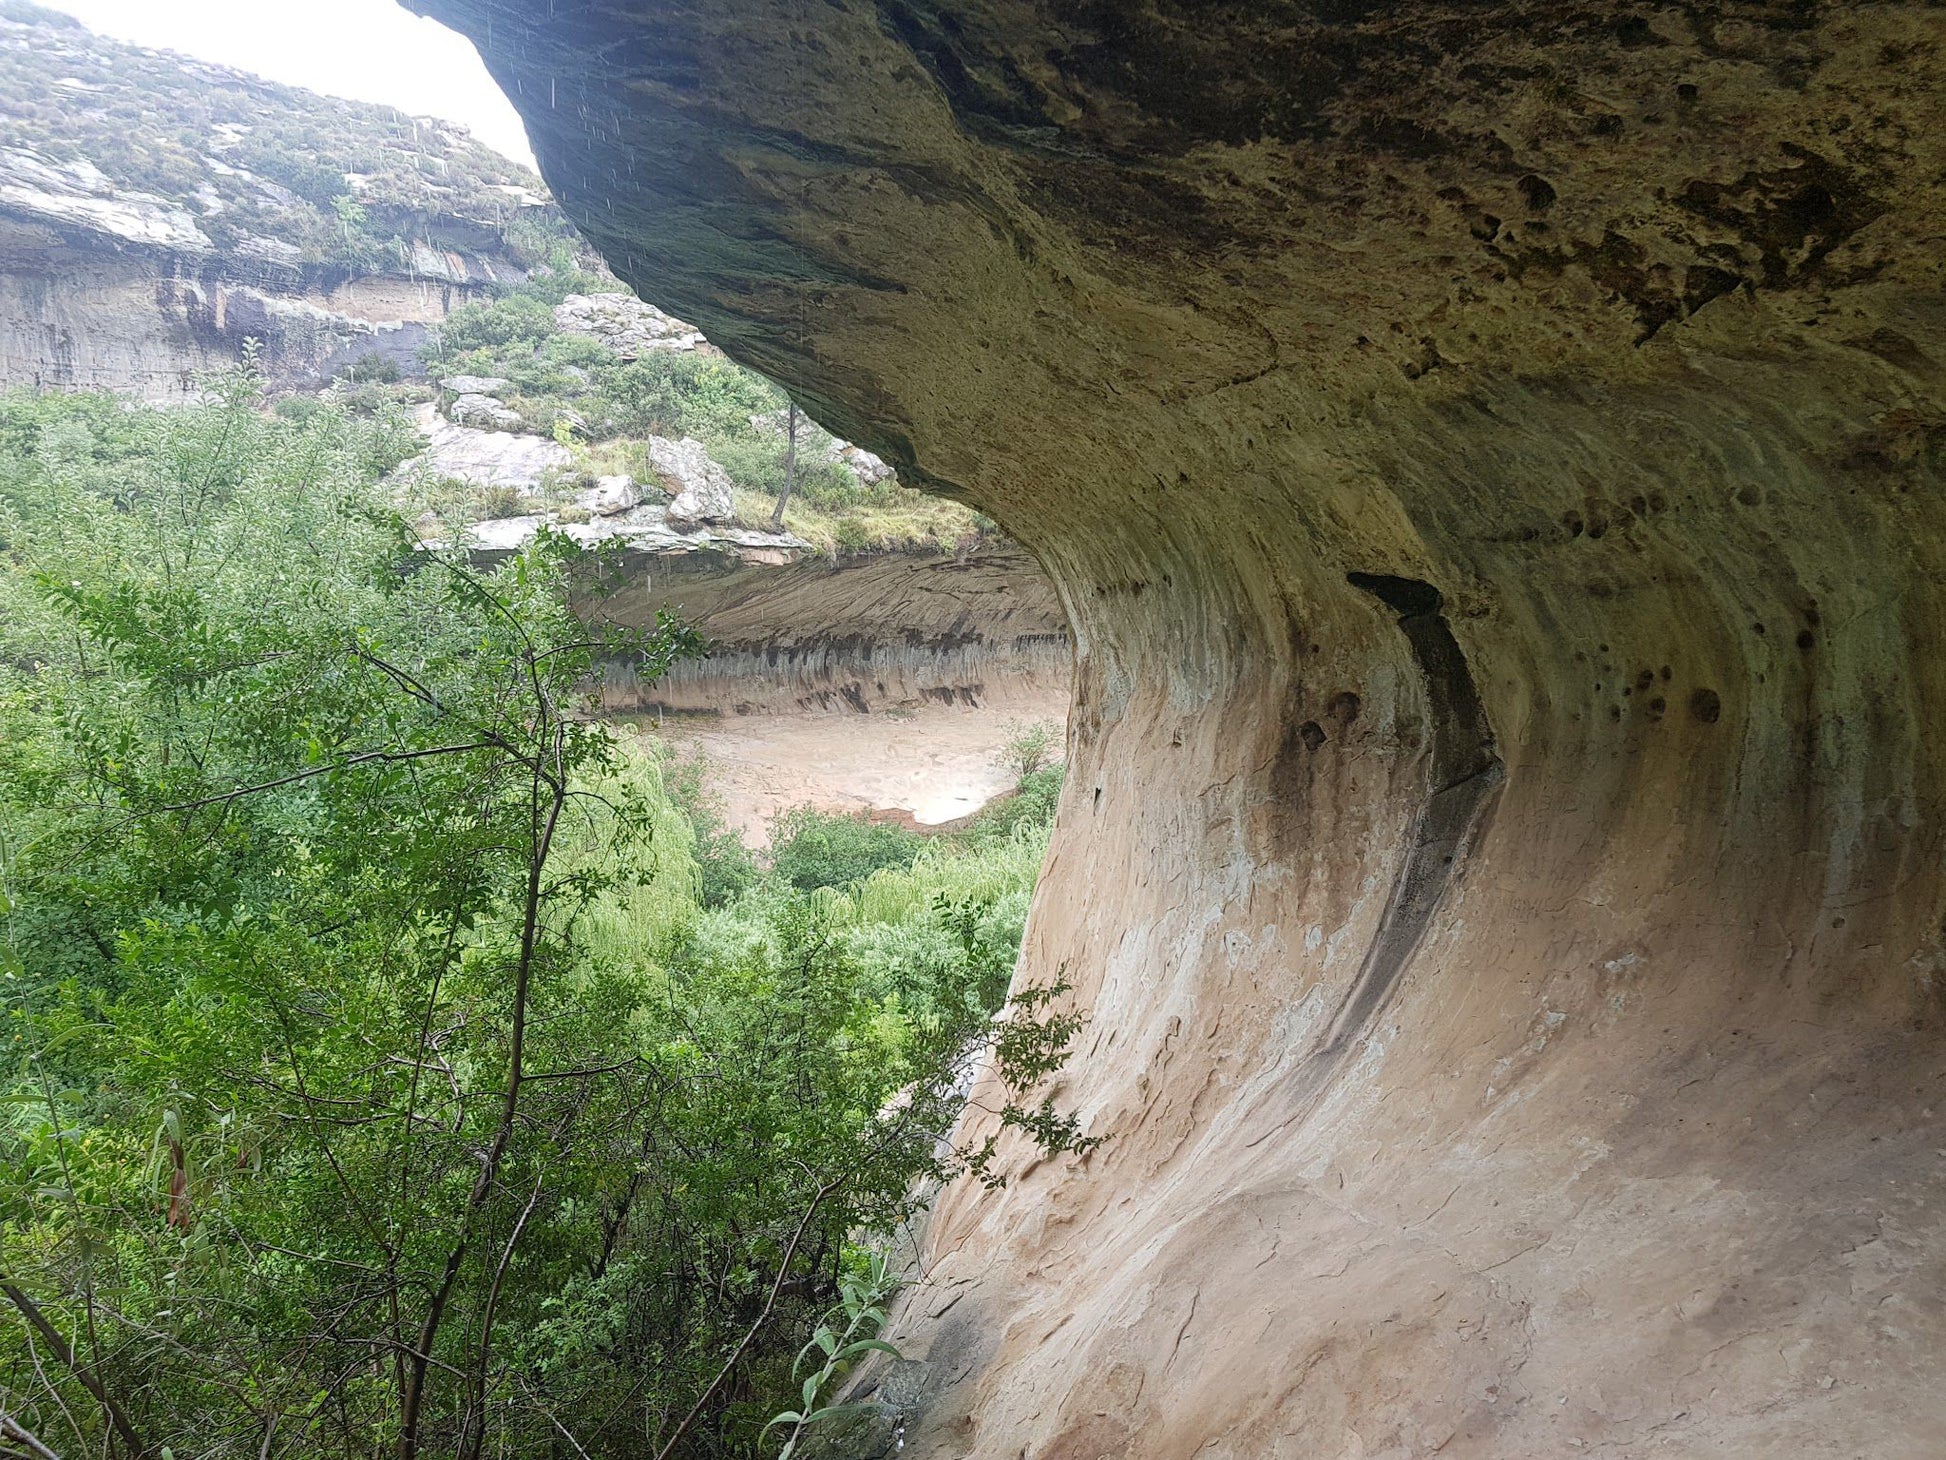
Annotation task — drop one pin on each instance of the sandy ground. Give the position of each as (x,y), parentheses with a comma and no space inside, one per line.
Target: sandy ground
(937,764)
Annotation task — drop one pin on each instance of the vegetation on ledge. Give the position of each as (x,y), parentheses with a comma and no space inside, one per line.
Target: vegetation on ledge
(603,406)
(268,173)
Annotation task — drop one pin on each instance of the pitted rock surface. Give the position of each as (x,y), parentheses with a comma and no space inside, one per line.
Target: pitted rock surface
(483,410)
(1594,1110)
(475,384)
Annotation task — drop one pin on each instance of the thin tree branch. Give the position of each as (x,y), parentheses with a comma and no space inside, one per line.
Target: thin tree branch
(478,1435)
(38,1321)
(364,758)
(763,1317)
(14,1430)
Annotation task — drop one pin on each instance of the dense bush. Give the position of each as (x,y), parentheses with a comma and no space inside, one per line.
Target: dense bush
(377,1080)
(725,867)
(516,319)
(810,849)
(371,368)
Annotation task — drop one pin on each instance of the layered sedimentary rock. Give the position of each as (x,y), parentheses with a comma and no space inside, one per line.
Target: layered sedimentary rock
(83,312)
(791,631)
(1491,458)
(157,213)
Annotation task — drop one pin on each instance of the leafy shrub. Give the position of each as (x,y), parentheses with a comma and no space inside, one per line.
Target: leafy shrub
(674,393)
(725,865)
(512,319)
(500,502)
(298,409)
(1028,747)
(1031,806)
(810,849)
(371,368)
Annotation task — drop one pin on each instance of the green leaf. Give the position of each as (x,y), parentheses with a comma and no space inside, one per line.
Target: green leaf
(865,1346)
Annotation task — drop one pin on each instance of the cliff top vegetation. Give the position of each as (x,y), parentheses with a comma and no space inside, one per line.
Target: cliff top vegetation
(257,169)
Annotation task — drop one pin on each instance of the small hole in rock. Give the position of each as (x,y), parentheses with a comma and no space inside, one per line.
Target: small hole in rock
(1537,192)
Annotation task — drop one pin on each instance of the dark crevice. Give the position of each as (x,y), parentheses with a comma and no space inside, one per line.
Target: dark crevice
(1463,774)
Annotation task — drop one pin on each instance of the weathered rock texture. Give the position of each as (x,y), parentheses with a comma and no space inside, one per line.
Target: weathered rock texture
(790,630)
(1515,974)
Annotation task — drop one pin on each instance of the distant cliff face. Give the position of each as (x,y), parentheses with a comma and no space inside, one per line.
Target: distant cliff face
(157,212)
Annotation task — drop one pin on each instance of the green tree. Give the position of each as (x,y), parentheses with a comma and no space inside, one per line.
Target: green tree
(372,1079)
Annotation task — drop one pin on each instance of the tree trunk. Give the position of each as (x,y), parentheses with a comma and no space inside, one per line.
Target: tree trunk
(790,471)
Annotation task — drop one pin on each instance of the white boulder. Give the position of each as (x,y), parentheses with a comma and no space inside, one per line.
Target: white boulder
(474,384)
(699,487)
(869,469)
(482,410)
(488,458)
(609,496)
(625,324)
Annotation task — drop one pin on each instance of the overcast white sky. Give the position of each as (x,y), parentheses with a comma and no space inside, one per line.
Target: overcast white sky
(368,50)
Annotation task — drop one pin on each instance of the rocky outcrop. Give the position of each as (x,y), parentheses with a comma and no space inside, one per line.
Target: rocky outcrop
(465,385)
(144,238)
(78,194)
(626,325)
(485,458)
(1493,459)
(483,411)
(700,490)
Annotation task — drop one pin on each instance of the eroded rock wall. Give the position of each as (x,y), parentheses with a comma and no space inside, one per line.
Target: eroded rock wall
(1491,459)
(77,315)
(865,634)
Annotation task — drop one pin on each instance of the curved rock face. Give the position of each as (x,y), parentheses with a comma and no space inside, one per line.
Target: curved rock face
(1491,458)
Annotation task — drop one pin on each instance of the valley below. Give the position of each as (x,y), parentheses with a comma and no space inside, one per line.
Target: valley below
(926,767)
